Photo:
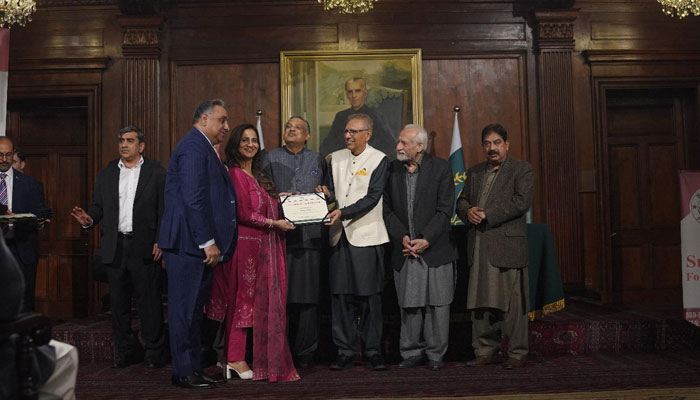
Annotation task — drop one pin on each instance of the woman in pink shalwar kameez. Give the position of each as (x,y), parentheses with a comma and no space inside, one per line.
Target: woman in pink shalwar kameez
(250,291)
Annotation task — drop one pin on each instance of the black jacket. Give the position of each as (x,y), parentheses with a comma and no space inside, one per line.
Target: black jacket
(148,208)
(432,210)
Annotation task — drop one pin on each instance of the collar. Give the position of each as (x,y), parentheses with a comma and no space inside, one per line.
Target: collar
(359,155)
(490,167)
(121,165)
(418,164)
(303,149)
(205,136)
(10,173)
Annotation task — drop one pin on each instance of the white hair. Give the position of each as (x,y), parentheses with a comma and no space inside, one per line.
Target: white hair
(421,135)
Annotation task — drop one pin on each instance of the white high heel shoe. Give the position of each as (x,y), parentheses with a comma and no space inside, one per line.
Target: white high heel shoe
(243,375)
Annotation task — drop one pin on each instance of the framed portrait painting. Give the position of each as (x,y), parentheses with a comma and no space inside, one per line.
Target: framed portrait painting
(326,87)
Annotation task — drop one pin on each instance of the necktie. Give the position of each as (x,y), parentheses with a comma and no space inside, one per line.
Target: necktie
(3,189)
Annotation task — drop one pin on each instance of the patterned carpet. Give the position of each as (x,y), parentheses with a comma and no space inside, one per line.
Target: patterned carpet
(562,377)
(581,328)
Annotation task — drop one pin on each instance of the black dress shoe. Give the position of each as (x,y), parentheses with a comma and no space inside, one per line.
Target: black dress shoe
(191,382)
(411,362)
(208,378)
(377,363)
(435,365)
(342,362)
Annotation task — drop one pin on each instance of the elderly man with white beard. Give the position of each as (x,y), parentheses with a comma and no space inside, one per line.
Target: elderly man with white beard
(417,208)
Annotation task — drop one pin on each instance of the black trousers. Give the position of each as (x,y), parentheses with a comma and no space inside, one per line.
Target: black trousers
(357,317)
(302,321)
(29,274)
(130,275)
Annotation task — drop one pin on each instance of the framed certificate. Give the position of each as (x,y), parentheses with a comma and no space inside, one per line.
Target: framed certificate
(306,208)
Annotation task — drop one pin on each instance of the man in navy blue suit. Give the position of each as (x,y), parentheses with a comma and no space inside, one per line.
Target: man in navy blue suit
(197,232)
(20,194)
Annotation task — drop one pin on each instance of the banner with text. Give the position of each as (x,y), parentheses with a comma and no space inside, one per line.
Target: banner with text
(690,244)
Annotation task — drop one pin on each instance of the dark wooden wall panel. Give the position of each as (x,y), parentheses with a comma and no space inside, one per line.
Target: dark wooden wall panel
(664,186)
(442,32)
(51,130)
(63,33)
(245,88)
(487,90)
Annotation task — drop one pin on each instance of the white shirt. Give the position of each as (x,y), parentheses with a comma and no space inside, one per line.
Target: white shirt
(128,180)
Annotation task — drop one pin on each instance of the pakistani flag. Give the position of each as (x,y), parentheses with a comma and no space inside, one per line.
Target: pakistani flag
(459,174)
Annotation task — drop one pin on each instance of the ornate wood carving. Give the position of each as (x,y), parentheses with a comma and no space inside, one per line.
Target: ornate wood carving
(555,30)
(555,42)
(141,47)
(141,36)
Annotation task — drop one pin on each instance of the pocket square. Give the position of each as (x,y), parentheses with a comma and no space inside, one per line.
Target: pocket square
(363,171)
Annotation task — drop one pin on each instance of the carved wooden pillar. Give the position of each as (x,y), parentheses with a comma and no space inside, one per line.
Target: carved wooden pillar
(141,43)
(554,37)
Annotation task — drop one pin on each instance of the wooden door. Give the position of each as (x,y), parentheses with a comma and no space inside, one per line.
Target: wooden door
(53,133)
(646,133)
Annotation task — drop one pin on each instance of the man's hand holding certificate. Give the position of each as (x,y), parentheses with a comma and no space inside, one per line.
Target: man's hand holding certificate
(305,208)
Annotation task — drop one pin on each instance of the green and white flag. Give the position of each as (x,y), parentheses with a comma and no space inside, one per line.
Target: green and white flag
(459,173)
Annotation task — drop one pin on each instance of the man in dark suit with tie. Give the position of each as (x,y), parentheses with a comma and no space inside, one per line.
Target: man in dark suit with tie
(128,200)
(493,204)
(417,208)
(198,231)
(20,194)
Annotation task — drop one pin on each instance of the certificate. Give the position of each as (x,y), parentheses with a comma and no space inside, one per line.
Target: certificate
(307,208)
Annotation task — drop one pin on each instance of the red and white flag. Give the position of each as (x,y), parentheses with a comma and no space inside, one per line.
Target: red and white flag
(4,62)
(690,244)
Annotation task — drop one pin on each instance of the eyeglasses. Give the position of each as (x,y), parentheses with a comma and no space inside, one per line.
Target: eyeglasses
(6,155)
(354,132)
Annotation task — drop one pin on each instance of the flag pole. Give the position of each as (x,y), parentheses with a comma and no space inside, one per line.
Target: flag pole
(258,117)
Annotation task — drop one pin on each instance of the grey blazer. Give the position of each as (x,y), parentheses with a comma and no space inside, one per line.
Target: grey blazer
(504,231)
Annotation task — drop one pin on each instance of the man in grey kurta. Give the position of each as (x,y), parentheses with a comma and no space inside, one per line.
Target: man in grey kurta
(493,204)
(417,209)
(296,169)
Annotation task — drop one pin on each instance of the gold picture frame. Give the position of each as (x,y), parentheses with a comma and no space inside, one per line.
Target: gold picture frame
(315,84)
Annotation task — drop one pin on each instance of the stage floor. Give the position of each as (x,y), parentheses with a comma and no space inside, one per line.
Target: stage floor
(657,375)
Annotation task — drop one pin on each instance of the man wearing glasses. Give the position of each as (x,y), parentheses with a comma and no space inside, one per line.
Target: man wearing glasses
(357,233)
(19,194)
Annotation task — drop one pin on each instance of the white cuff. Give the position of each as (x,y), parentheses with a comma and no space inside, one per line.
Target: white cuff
(207,243)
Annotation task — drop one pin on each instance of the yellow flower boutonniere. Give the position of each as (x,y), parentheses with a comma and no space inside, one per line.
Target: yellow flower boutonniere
(363,171)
